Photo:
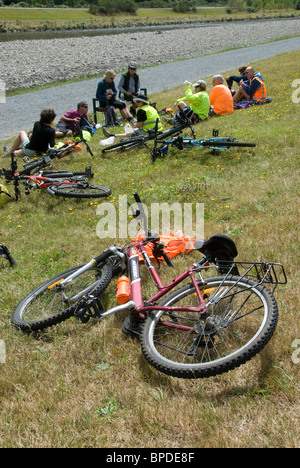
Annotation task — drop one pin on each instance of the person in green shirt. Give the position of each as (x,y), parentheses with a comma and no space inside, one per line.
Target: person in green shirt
(198,100)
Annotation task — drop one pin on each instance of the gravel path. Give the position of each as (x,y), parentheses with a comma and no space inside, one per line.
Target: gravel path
(45,61)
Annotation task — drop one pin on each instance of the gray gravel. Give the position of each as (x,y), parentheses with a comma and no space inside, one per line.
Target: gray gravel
(45,61)
(37,62)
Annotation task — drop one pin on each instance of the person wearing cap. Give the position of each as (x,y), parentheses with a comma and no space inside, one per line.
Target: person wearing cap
(198,99)
(146,118)
(129,83)
(220,97)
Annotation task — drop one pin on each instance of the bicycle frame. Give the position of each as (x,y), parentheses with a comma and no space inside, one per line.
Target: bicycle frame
(136,289)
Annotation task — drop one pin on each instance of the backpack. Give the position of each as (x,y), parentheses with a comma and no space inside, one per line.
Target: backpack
(110,116)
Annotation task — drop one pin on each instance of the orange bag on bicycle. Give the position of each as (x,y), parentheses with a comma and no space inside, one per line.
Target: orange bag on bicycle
(175,244)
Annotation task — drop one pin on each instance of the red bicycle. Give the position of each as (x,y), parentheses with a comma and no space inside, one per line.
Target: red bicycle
(60,183)
(207,327)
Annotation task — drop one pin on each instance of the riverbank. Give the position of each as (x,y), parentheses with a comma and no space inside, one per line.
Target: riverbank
(27,64)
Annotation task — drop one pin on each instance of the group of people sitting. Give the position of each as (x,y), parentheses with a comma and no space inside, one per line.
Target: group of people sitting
(141,114)
(196,100)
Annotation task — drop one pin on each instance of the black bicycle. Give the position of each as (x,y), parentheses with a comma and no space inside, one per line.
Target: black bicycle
(5,253)
(136,141)
(34,166)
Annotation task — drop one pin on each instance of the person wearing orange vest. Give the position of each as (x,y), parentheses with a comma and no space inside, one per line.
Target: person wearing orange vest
(253,90)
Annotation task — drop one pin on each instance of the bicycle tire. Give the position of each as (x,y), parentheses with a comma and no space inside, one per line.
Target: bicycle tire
(207,347)
(34,312)
(62,174)
(77,190)
(228,144)
(126,144)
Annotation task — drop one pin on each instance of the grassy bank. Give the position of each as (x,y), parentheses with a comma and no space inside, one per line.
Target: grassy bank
(87,385)
(22,19)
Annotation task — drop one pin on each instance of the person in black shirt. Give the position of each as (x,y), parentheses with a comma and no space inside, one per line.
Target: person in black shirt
(42,137)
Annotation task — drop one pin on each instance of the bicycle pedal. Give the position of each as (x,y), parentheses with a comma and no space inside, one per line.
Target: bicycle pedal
(92,308)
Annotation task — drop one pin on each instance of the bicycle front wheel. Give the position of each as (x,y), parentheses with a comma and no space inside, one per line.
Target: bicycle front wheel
(241,317)
(51,303)
(77,190)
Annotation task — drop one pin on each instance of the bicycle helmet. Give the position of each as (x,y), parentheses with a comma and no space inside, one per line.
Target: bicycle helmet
(132,65)
(182,117)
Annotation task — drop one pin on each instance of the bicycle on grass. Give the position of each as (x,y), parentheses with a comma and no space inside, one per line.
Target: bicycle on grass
(34,166)
(61,183)
(5,253)
(207,327)
(214,143)
(137,141)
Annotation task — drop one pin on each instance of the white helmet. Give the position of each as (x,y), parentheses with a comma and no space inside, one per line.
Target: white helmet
(132,65)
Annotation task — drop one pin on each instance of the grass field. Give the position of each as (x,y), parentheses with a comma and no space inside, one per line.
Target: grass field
(88,385)
(24,18)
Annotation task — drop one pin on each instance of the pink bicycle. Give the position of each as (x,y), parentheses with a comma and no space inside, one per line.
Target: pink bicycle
(206,327)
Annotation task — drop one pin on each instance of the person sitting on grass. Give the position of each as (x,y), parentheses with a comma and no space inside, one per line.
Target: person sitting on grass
(220,97)
(198,101)
(253,90)
(71,120)
(42,137)
(146,119)
(236,78)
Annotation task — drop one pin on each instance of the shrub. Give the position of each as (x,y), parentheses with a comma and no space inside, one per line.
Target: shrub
(183,6)
(107,7)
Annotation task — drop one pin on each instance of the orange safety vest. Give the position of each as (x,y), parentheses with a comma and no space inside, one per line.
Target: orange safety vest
(261,93)
(174,245)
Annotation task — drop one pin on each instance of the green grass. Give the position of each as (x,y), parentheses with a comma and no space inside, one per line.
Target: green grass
(87,385)
(47,18)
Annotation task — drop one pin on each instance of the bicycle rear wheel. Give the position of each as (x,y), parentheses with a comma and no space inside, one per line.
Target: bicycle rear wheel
(126,144)
(51,303)
(240,321)
(78,190)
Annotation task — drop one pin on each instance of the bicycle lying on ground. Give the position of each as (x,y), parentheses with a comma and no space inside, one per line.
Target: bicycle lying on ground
(136,141)
(5,253)
(207,327)
(34,166)
(60,183)
(214,143)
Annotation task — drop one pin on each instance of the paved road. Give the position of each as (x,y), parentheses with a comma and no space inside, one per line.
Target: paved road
(20,112)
